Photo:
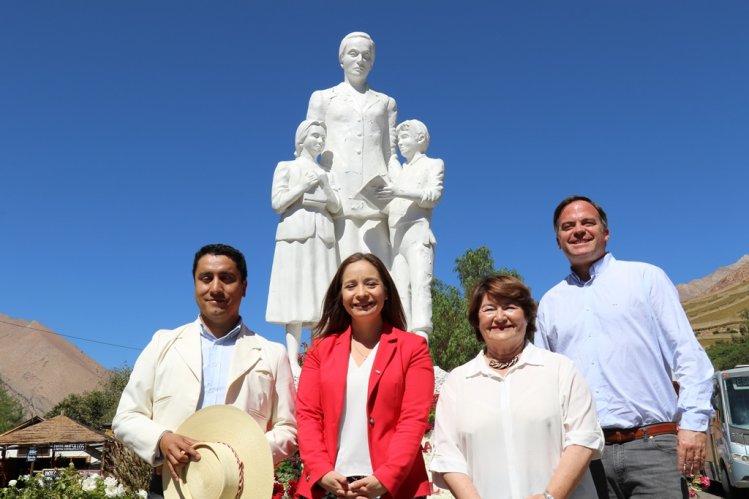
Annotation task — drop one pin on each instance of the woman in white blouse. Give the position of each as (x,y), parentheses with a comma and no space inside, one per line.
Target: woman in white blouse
(516,421)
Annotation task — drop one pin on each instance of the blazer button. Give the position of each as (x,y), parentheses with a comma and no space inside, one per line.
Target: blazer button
(371,421)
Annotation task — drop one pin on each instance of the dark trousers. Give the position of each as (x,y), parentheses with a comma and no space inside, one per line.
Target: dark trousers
(156,486)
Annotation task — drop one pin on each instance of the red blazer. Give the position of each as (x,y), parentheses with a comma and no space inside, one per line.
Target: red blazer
(400,395)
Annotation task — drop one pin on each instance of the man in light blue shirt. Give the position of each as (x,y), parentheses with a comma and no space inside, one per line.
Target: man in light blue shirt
(623,325)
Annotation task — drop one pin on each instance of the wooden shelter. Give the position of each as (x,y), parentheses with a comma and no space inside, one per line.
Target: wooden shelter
(42,444)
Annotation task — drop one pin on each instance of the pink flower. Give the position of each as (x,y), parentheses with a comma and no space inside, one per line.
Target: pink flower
(705,481)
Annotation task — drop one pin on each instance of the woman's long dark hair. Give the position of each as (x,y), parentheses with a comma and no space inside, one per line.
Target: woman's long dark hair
(335,319)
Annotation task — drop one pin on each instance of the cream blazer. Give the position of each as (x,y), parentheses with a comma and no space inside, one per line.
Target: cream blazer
(165,385)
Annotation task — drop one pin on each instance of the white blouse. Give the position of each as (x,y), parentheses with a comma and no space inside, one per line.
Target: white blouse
(353,446)
(508,433)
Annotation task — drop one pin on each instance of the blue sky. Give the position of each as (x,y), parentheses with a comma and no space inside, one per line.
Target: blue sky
(134,132)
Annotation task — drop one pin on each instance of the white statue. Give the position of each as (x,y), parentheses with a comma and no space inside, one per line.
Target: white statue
(360,144)
(415,189)
(305,259)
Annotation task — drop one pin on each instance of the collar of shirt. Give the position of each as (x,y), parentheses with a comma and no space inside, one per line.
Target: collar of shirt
(598,268)
(227,338)
(530,355)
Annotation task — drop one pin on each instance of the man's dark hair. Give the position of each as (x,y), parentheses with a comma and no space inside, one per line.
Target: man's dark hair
(572,199)
(222,250)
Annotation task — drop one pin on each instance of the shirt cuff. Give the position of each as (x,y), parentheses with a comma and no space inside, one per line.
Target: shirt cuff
(694,422)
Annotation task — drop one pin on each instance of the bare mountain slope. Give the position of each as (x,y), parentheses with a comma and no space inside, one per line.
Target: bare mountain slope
(712,282)
(716,301)
(40,369)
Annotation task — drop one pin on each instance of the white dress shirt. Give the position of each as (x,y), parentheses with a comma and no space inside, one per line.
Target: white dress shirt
(508,433)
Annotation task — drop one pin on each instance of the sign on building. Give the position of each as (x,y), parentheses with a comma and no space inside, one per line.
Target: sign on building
(63,447)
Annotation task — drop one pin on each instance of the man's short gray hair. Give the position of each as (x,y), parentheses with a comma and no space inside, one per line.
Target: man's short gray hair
(351,36)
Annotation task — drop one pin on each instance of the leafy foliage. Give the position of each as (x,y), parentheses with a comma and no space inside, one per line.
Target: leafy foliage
(286,477)
(95,408)
(453,341)
(727,355)
(11,411)
(68,484)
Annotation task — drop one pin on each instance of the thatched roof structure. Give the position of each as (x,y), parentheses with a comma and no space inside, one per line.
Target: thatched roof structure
(34,420)
(57,430)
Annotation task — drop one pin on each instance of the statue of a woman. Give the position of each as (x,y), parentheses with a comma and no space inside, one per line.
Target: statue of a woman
(305,256)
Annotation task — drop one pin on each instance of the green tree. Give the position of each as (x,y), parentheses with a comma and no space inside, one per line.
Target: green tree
(453,341)
(729,354)
(95,408)
(11,411)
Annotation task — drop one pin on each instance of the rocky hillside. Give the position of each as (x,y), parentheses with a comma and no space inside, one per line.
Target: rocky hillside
(714,302)
(40,369)
(716,281)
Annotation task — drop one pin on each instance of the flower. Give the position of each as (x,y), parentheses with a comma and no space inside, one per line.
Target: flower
(697,484)
(12,483)
(89,483)
(291,490)
(705,481)
(111,491)
(143,494)
(112,488)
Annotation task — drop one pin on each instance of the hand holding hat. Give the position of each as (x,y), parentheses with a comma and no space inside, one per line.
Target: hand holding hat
(234,460)
(177,451)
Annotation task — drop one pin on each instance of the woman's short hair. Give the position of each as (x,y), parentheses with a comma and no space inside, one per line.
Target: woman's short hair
(335,319)
(301,133)
(502,288)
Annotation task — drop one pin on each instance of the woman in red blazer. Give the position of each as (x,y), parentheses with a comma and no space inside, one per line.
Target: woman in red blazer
(364,393)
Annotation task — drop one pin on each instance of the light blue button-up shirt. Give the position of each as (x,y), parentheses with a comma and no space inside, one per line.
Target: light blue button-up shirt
(217,355)
(627,332)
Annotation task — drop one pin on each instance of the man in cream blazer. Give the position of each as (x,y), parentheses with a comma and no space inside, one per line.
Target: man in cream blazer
(214,360)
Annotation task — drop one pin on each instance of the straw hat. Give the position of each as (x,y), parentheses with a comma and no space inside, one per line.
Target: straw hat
(235,458)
